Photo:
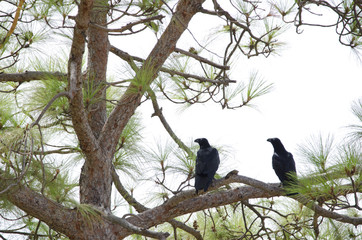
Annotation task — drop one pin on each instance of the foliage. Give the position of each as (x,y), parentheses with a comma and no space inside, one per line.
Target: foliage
(55,117)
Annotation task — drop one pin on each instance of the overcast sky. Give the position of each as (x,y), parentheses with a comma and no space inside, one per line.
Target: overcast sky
(315,81)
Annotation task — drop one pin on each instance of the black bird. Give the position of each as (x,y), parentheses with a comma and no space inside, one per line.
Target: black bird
(207,163)
(283,164)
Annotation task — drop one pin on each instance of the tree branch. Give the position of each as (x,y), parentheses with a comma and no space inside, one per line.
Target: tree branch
(159,114)
(37,205)
(128,197)
(127,57)
(187,202)
(137,230)
(201,59)
(186,228)
(130,25)
(141,208)
(130,100)
(82,128)
(183,203)
(13,25)
(329,214)
(31,75)
(61,94)
(74,223)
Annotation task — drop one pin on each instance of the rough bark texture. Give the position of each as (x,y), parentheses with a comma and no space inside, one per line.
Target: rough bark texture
(102,226)
(81,126)
(72,222)
(45,210)
(96,180)
(98,46)
(30,75)
(92,187)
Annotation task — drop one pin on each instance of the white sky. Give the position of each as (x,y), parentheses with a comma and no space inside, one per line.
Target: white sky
(315,81)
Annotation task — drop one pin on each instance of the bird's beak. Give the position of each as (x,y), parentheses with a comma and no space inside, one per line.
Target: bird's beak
(197,140)
(269,139)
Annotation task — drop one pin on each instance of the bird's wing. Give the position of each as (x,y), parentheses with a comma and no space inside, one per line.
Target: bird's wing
(290,165)
(200,162)
(278,167)
(213,162)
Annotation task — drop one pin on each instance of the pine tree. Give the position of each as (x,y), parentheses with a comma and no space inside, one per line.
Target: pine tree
(61,110)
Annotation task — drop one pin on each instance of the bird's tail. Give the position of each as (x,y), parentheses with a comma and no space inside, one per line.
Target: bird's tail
(291,187)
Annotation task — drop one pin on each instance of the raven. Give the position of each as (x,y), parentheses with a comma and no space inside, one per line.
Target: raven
(283,164)
(207,163)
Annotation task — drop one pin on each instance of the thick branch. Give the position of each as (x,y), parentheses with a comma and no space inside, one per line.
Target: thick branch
(186,202)
(272,189)
(64,220)
(168,211)
(52,213)
(30,75)
(82,128)
(75,224)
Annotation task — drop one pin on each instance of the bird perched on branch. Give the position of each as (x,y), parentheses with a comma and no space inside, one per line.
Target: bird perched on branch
(283,164)
(207,163)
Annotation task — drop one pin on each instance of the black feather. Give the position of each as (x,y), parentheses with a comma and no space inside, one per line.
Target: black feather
(283,164)
(207,163)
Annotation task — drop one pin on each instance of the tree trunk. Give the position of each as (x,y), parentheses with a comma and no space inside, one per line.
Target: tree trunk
(96,180)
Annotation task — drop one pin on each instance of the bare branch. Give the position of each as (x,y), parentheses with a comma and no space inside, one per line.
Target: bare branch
(62,94)
(129,26)
(186,228)
(159,114)
(125,56)
(201,59)
(31,75)
(138,230)
(13,25)
(329,214)
(128,197)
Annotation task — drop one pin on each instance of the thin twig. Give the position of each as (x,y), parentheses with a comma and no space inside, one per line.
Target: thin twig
(61,94)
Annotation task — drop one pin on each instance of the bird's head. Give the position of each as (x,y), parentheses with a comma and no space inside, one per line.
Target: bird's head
(273,140)
(202,142)
(277,144)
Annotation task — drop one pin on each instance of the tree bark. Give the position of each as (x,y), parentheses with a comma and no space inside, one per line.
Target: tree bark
(71,222)
(98,48)
(101,225)
(96,181)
